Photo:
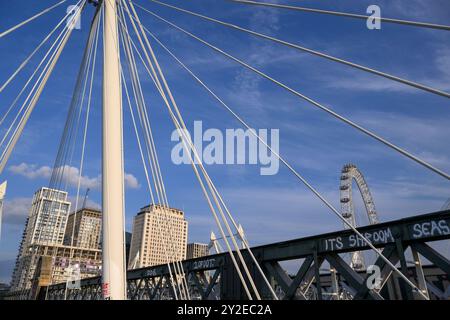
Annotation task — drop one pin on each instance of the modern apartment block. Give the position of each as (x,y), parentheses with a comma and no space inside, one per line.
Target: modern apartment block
(46,224)
(196,250)
(44,236)
(159,236)
(86,227)
(48,217)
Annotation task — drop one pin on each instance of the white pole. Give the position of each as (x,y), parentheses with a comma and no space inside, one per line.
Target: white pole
(113,269)
(2,196)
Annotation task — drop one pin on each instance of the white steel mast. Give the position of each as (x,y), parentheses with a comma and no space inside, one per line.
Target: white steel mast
(114,271)
(2,197)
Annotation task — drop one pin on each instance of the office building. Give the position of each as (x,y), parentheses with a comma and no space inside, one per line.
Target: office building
(86,226)
(159,236)
(196,250)
(47,218)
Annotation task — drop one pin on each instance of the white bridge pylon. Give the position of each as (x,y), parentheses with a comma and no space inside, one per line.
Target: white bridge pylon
(114,270)
(2,197)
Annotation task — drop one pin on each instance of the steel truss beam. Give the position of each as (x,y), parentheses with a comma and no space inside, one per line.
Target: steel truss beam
(214,277)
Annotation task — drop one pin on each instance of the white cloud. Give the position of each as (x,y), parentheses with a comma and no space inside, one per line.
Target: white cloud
(403,129)
(247,84)
(363,82)
(15,211)
(31,171)
(131,181)
(418,9)
(89,203)
(70,174)
(360,81)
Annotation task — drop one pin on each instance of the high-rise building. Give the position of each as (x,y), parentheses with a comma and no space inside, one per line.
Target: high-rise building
(47,219)
(159,236)
(43,236)
(86,226)
(196,250)
(46,224)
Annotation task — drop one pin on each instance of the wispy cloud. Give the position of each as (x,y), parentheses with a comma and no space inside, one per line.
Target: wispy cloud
(425,136)
(246,83)
(131,181)
(417,9)
(31,171)
(362,81)
(69,173)
(76,205)
(275,214)
(15,211)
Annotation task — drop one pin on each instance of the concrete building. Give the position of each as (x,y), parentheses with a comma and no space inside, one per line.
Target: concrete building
(159,236)
(65,262)
(46,224)
(47,218)
(86,226)
(43,236)
(196,250)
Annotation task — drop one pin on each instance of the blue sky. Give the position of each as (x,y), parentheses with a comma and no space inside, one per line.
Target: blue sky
(271,208)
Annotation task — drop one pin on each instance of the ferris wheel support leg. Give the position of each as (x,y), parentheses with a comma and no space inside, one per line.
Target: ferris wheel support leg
(334,283)
(404,269)
(113,271)
(422,284)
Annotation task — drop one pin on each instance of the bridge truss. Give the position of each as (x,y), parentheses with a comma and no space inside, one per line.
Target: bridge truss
(213,277)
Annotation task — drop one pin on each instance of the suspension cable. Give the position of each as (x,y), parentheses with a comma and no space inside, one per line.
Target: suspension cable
(346,14)
(242,236)
(336,212)
(25,62)
(159,87)
(31,77)
(171,277)
(311,51)
(66,141)
(135,89)
(58,42)
(151,160)
(148,183)
(156,170)
(35,98)
(204,172)
(155,162)
(33,88)
(86,125)
(213,193)
(46,70)
(310,100)
(164,243)
(70,131)
(4,33)
(66,159)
